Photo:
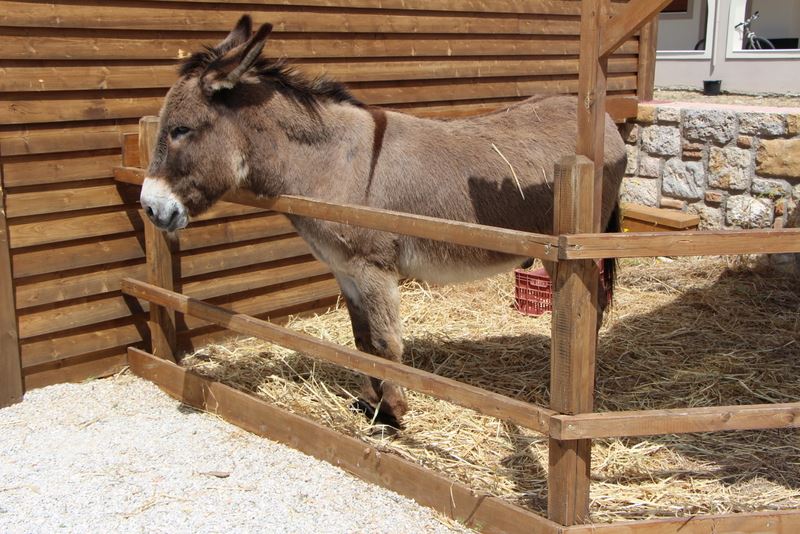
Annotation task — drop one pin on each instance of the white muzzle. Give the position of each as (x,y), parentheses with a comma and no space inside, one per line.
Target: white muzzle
(162,206)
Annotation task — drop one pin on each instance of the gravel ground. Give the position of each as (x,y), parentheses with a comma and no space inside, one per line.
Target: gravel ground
(118,455)
(770,100)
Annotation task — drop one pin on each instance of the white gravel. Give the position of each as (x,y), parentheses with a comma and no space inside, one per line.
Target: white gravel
(118,455)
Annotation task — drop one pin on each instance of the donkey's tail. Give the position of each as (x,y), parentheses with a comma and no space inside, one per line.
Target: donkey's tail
(610,264)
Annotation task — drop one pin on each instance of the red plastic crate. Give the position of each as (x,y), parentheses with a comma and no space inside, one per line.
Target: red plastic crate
(533,291)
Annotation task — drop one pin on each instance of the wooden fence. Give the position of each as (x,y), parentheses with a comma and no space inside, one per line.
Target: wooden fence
(75,77)
(570,430)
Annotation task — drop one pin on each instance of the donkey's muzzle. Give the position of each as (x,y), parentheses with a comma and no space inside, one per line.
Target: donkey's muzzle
(161,205)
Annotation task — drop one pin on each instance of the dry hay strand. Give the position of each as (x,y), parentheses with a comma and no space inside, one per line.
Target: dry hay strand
(685,332)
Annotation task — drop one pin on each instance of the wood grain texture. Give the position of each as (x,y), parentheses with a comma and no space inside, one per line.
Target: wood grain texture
(627,21)
(528,7)
(96,44)
(664,217)
(86,367)
(65,167)
(77,255)
(92,339)
(647,60)
(687,243)
(203,17)
(574,343)
(76,75)
(160,248)
(676,421)
(23,140)
(355,456)
(771,522)
(11,384)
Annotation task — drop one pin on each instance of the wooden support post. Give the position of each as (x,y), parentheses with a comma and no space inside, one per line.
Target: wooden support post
(159,247)
(592,82)
(11,384)
(647,60)
(574,340)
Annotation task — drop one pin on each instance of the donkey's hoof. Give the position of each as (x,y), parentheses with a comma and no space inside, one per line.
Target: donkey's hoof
(384,416)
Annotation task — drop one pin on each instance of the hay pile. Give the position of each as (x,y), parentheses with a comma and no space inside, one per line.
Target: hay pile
(685,332)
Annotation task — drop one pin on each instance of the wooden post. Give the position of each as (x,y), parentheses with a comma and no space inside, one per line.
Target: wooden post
(592,82)
(647,60)
(159,248)
(11,383)
(578,208)
(574,339)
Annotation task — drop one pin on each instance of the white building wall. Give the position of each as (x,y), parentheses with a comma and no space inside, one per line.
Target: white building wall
(740,70)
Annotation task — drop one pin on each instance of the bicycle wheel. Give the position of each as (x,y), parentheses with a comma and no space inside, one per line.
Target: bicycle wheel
(759,43)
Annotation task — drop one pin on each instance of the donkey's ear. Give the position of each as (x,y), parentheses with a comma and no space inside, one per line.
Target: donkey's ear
(239,35)
(238,65)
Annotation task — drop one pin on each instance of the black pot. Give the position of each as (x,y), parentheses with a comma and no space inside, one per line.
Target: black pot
(712,87)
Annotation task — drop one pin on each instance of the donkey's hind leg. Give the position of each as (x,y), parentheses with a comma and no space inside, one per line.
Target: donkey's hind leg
(373,301)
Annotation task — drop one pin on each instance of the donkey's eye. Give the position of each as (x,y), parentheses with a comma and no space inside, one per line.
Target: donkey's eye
(178,132)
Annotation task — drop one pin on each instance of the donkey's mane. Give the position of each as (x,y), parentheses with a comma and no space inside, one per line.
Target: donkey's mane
(309,92)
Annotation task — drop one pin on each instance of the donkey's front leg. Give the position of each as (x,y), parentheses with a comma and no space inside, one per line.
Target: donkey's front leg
(373,301)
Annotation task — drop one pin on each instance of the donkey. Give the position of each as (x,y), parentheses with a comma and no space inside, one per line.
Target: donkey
(235,120)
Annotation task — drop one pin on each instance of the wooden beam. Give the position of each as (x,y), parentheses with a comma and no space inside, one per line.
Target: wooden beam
(675,421)
(159,251)
(488,403)
(628,20)
(684,243)
(772,522)
(665,217)
(574,339)
(460,233)
(450,498)
(11,384)
(592,85)
(646,76)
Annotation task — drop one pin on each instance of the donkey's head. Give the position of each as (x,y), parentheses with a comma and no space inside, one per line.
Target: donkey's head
(201,147)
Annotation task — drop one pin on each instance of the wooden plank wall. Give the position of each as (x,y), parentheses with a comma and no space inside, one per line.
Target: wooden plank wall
(76,76)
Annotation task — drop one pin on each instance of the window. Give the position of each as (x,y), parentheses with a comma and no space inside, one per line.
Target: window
(687,34)
(677,6)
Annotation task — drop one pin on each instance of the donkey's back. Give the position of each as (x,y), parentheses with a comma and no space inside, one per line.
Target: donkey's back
(494,169)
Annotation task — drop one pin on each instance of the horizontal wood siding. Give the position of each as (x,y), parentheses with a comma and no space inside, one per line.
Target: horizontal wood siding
(75,77)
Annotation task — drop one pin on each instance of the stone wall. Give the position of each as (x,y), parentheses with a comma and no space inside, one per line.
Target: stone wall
(736,167)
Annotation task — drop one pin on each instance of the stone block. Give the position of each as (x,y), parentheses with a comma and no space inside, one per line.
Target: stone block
(646,114)
(762,124)
(640,191)
(745,141)
(778,157)
(715,197)
(672,203)
(783,206)
(630,132)
(709,125)
(729,168)
(661,140)
(770,188)
(633,156)
(793,124)
(668,115)
(710,217)
(747,212)
(649,166)
(683,179)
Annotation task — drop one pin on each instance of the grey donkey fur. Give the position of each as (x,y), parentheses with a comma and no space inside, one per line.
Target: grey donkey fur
(237,120)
